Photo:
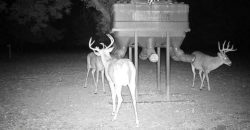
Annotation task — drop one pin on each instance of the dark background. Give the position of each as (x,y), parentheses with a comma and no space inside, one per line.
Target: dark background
(210,21)
(218,20)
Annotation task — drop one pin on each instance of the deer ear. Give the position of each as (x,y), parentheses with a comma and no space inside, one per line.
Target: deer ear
(110,49)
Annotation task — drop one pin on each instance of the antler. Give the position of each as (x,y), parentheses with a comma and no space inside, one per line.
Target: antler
(225,50)
(111,40)
(91,43)
(103,45)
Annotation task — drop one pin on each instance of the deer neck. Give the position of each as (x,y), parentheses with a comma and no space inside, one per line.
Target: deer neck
(215,63)
(106,60)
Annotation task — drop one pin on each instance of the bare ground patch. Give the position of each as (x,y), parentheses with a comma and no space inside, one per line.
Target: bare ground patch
(46,92)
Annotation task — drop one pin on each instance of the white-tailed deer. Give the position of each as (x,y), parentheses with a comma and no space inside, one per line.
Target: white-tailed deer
(119,73)
(94,62)
(150,2)
(205,63)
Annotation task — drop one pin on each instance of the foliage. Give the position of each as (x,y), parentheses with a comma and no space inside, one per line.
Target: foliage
(38,12)
(36,15)
(2,6)
(104,19)
(80,25)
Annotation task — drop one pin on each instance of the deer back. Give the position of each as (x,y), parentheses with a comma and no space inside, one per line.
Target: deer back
(121,71)
(199,59)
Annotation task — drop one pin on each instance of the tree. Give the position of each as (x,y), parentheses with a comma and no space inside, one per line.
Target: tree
(36,15)
(104,20)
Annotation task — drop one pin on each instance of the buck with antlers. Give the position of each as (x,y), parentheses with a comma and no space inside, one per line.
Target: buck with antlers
(119,72)
(205,63)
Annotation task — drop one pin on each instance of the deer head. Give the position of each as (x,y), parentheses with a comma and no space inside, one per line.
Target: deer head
(105,51)
(222,53)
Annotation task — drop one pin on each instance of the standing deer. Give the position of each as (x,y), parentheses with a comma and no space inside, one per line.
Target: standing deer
(94,62)
(205,63)
(150,2)
(119,73)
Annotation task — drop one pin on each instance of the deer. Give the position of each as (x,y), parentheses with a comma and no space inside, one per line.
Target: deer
(119,73)
(150,2)
(94,62)
(205,63)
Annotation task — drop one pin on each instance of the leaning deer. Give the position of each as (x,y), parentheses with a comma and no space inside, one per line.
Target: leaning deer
(94,62)
(119,72)
(205,63)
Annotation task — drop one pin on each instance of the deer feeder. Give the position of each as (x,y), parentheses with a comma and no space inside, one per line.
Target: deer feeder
(160,25)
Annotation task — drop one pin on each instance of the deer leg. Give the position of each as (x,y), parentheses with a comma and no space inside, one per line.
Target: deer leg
(113,93)
(193,70)
(93,75)
(133,92)
(119,97)
(97,79)
(200,74)
(208,82)
(103,87)
(86,80)
(202,82)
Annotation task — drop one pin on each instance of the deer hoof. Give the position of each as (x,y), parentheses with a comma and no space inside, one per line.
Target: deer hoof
(114,118)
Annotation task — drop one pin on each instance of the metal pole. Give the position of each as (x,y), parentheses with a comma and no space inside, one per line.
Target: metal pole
(159,69)
(130,52)
(168,66)
(136,62)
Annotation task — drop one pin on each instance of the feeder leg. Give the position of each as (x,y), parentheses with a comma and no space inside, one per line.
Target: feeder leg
(168,66)
(130,53)
(159,69)
(136,63)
